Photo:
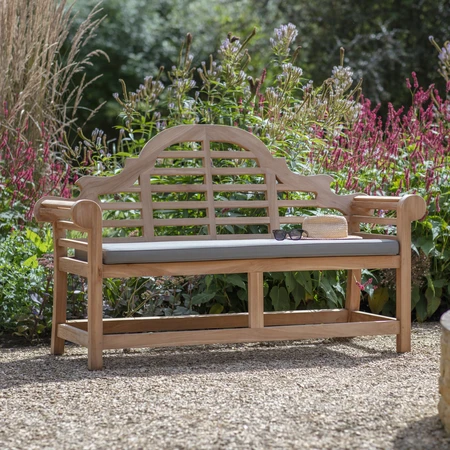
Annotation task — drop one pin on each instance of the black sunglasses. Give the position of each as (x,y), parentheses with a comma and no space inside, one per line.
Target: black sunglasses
(295,234)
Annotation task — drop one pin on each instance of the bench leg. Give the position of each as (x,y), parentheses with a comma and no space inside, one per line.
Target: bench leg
(403,307)
(59,314)
(353,293)
(95,324)
(255,300)
(59,311)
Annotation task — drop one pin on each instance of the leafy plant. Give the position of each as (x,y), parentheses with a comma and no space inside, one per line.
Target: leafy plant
(25,288)
(323,129)
(282,110)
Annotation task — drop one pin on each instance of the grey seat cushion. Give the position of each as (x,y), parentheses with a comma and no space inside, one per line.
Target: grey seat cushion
(177,251)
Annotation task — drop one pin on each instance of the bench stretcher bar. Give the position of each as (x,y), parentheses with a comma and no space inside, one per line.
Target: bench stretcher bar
(211,321)
(231,328)
(237,335)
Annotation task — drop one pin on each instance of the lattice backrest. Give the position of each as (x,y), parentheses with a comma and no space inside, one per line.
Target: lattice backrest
(206,182)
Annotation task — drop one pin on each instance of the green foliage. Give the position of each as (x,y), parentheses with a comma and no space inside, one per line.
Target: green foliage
(384,40)
(381,46)
(11,213)
(319,129)
(282,109)
(312,125)
(25,286)
(431,238)
(143,36)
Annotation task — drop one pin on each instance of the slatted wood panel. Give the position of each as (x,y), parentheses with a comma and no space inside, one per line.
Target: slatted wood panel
(207,182)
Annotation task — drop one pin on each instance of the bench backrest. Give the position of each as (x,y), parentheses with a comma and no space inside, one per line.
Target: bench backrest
(206,182)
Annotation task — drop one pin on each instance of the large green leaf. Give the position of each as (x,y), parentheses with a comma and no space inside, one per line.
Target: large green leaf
(426,244)
(291,282)
(31,262)
(36,240)
(280,299)
(440,283)
(299,295)
(421,310)
(277,276)
(236,280)
(415,296)
(378,299)
(437,225)
(304,278)
(208,280)
(203,297)
(433,300)
(217,308)
(330,292)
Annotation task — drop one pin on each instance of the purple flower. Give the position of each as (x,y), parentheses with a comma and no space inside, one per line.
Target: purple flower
(284,36)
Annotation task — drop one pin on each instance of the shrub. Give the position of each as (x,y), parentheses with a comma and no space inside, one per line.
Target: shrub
(25,287)
(319,130)
(284,110)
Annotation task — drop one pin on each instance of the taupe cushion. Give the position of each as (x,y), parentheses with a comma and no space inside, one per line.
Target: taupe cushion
(147,252)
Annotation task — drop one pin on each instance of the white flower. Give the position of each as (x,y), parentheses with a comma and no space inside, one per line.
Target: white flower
(444,55)
(342,77)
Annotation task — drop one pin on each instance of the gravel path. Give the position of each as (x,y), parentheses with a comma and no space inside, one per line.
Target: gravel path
(330,394)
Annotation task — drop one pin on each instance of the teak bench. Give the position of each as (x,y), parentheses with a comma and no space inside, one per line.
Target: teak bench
(229,187)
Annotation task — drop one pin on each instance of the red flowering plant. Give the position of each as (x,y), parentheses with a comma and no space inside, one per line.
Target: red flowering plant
(29,170)
(407,153)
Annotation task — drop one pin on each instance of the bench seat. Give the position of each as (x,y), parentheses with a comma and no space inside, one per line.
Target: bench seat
(213,250)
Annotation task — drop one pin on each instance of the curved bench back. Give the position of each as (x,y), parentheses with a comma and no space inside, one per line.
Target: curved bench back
(207,182)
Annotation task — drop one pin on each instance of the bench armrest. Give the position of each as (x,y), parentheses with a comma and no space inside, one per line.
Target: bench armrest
(409,207)
(84,213)
(52,209)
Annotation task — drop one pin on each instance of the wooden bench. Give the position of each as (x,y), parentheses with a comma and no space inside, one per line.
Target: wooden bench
(226,193)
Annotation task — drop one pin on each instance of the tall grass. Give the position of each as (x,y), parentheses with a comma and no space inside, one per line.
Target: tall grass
(39,99)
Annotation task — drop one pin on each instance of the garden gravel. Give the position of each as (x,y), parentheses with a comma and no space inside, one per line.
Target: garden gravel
(325,394)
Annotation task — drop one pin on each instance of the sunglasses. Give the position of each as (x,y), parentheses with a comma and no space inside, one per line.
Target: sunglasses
(295,234)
